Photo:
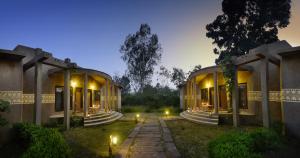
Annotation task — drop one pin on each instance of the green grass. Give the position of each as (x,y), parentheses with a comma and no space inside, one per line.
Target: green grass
(92,142)
(192,139)
(149,109)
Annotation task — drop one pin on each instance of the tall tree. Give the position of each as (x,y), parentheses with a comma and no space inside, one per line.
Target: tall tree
(164,76)
(196,68)
(246,24)
(141,52)
(124,81)
(178,76)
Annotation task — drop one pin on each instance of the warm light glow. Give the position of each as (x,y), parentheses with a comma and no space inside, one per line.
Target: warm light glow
(137,115)
(73,84)
(207,84)
(92,87)
(167,112)
(113,140)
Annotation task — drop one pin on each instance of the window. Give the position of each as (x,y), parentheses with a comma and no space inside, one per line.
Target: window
(204,95)
(211,96)
(243,96)
(59,95)
(59,98)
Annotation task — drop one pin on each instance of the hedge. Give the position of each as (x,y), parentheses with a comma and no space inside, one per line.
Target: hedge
(41,142)
(237,144)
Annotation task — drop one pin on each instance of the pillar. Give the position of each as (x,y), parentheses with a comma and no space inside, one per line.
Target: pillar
(106,96)
(195,93)
(119,100)
(38,93)
(181,96)
(235,99)
(264,73)
(85,95)
(216,101)
(67,99)
(112,97)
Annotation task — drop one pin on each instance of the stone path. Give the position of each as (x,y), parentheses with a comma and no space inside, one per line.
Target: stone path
(150,139)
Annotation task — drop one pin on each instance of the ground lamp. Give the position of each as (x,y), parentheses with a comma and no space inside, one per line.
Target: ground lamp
(113,140)
(137,116)
(167,113)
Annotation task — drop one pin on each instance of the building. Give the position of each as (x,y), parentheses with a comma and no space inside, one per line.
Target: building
(266,90)
(41,87)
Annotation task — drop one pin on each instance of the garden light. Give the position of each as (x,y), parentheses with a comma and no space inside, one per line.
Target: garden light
(137,115)
(167,112)
(113,140)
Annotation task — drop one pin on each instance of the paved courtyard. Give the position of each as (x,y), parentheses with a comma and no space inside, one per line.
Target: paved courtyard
(151,138)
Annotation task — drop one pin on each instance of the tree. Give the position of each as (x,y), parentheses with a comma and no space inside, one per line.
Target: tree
(178,76)
(196,68)
(246,24)
(141,52)
(164,76)
(124,82)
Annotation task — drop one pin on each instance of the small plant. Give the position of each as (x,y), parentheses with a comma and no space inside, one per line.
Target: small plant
(76,121)
(238,144)
(40,142)
(4,107)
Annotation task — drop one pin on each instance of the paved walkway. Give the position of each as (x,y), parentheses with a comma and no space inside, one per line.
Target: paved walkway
(149,139)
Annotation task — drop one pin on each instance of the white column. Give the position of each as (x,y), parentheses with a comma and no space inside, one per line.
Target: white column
(235,99)
(216,103)
(38,93)
(264,78)
(67,99)
(85,95)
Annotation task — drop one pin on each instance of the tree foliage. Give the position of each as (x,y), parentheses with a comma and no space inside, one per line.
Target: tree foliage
(124,81)
(246,24)
(178,76)
(141,52)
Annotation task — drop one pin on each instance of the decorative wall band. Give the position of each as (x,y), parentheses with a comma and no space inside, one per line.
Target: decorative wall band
(275,96)
(13,97)
(290,95)
(16,97)
(254,96)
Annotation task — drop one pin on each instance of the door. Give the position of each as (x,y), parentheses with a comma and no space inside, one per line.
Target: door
(78,100)
(222,97)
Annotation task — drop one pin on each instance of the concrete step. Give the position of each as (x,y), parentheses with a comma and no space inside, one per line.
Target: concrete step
(199,119)
(202,113)
(107,117)
(98,116)
(107,121)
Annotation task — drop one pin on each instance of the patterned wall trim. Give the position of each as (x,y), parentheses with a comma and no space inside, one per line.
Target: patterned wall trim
(274,96)
(254,96)
(48,98)
(14,97)
(290,95)
(17,97)
(28,98)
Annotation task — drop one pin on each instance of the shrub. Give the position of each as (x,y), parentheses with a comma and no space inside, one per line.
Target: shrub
(4,107)
(244,144)
(76,121)
(41,142)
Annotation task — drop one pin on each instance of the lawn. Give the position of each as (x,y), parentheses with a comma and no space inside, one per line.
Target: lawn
(191,139)
(92,142)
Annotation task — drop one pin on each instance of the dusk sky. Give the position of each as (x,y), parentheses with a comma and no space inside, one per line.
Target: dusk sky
(90,32)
